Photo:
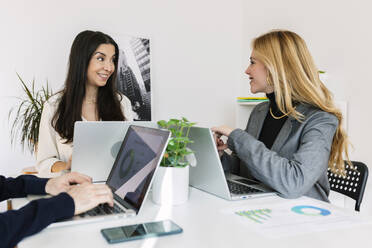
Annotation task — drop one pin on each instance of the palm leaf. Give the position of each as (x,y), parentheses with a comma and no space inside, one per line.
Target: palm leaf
(27,114)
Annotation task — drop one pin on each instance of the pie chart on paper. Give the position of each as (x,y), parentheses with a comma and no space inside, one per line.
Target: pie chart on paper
(310,210)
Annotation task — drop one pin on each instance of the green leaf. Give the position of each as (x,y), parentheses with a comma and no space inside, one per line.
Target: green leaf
(172,122)
(162,123)
(171,142)
(173,131)
(171,148)
(175,120)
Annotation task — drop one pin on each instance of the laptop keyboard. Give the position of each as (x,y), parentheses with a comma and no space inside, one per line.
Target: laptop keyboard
(240,189)
(103,209)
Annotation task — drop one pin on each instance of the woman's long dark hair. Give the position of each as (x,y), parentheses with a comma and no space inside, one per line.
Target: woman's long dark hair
(70,105)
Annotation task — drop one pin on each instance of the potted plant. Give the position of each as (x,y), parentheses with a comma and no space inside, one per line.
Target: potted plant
(27,115)
(171,183)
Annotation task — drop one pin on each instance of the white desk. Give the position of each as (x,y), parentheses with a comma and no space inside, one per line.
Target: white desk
(203,226)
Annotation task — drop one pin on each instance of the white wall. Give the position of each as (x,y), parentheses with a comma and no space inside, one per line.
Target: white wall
(339,36)
(195,49)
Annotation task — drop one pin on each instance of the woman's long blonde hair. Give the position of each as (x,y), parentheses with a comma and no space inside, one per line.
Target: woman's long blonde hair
(295,78)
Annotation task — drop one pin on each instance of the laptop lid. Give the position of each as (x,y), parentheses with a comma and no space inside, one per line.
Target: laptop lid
(209,176)
(135,165)
(96,145)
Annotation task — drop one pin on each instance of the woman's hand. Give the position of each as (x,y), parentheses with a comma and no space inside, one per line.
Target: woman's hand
(60,166)
(222,130)
(221,146)
(218,132)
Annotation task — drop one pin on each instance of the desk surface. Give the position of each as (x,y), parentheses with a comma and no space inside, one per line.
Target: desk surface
(203,226)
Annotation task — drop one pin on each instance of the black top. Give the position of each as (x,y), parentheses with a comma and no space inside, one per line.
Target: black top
(32,218)
(271,127)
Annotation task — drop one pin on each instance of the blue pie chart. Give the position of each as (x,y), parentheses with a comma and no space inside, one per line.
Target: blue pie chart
(318,212)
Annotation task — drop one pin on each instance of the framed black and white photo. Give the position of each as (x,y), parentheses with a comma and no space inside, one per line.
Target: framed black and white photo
(133,79)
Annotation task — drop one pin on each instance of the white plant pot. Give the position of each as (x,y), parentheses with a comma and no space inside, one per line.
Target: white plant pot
(171,186)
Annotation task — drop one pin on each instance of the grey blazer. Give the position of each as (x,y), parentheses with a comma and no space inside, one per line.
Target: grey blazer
(297,163)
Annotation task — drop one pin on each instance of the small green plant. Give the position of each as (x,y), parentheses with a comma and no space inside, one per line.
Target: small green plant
(27,115)
(177,147)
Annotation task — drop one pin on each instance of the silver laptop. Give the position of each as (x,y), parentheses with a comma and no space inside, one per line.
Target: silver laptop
(131,175)
(96,145)
(209,176)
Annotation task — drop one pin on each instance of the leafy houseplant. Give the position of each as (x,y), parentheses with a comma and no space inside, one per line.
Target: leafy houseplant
(171,183)
(177,147)
(27,113)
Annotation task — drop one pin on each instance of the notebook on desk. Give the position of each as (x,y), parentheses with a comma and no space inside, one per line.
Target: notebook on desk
(131,175)
(96,145)
(209,176)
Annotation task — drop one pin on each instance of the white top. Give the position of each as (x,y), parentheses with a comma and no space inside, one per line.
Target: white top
(51,147)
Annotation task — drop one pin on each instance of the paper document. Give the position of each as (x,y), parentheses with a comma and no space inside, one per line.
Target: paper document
(296,216)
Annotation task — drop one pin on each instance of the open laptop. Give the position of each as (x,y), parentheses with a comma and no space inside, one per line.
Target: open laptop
(96,145)
(209,176)
(131,175)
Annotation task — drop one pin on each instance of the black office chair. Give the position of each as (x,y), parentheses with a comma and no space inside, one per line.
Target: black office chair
(351,185)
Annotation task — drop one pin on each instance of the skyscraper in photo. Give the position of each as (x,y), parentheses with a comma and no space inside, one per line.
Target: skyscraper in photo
(141,49)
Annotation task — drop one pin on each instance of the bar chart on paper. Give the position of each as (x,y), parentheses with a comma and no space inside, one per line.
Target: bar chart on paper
(257,216)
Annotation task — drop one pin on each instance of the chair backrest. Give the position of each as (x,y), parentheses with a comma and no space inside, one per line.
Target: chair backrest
(351,185)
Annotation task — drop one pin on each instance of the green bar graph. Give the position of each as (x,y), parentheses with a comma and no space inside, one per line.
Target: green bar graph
(257,216)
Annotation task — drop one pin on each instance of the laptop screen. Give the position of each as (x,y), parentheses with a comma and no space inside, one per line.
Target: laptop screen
(135,164)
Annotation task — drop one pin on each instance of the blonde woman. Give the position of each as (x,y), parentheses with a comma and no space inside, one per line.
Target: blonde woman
(291,140)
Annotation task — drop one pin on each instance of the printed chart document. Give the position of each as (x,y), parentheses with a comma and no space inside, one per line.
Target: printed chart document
(295,216)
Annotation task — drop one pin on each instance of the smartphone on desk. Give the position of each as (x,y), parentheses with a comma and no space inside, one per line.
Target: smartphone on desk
(140,231)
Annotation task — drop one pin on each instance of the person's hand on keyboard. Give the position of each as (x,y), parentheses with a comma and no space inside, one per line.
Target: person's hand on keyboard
(63,183)
(87,196)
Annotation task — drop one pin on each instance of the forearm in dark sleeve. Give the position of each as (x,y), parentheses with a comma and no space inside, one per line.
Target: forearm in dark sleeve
(32,218)
(21,186)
